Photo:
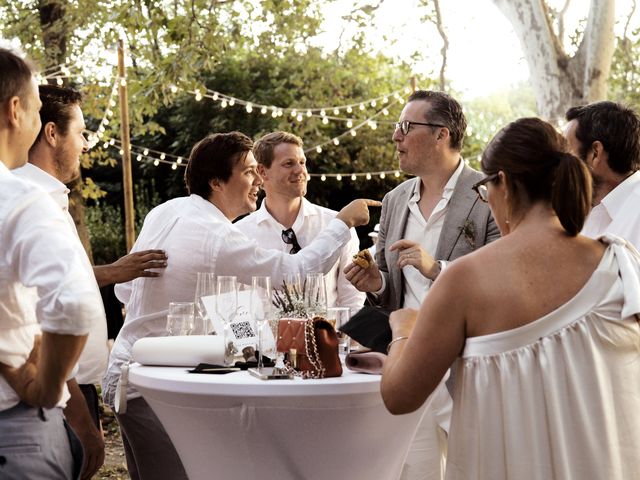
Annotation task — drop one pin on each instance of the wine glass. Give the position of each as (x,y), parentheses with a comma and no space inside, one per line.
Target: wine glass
(180,318)
(226,307)
(315,295)
(338,316)
(261,305)
(292,284)
(205,286)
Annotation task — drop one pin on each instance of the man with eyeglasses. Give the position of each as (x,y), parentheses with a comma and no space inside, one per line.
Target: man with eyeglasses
(606,136)
(426,222)
(287,221)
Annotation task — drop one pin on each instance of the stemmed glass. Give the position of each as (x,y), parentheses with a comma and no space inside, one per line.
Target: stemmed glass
(292,284)
(315,295)
(261,305)
(226,307)
(205,286)
(338,316)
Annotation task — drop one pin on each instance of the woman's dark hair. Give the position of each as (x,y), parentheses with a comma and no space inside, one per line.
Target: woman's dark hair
(535,160)
(214,157)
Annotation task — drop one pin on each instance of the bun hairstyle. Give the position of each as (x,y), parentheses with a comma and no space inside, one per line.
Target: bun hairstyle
(538,167)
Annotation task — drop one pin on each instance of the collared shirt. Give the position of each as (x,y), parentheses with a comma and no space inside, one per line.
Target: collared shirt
(93,361)
(199,238)
(44,279)
(311,220)
(426,232)
(618,212)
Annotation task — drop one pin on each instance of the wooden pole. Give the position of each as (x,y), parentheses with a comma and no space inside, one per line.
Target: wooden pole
(414,83)
(127,181)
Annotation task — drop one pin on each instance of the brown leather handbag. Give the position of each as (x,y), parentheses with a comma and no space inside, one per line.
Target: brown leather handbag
(310,347)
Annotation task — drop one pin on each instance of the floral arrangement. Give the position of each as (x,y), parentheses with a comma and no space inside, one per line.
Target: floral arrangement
(289,302)
(469,232)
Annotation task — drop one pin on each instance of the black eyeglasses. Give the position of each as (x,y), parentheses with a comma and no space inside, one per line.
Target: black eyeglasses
(289,237)
(405,125)
(481,187)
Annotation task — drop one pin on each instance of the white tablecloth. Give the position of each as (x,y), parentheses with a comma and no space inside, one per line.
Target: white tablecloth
(237,426)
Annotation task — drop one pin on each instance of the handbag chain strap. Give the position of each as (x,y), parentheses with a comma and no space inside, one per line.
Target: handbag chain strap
(312,353)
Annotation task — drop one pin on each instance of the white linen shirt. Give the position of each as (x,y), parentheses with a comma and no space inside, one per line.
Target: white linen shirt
(311,220)
(425,232)
(92,363)
(617,213)
(44,279)
(199,238)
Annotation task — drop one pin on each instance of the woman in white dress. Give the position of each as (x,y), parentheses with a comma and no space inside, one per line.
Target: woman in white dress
(544,326)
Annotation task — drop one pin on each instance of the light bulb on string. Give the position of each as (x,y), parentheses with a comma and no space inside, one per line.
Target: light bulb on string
(139,158)
(174,166)
(105,145)
(294,113)
(325,120)
(397,174)
(179,160)
(373,103)
(353,133)
(382,175)
(123,82)
(299,117)
(385,111)
(263,110)
(156,162)
(198,96)
(323,177)
(336,141)
(112,141)
(336,111)
(249,108)
(349,124)
(59,81)
(368,176)
(112,103)
(162,156)
(215,96)
(339,177)
(80,80)
(361,106)
(232,102)
(323,113)
(145,152)
(121,151)
(309,113)
(274,114)
(174,89)
(353,176)
(223,104)
(319,149)
(349,109)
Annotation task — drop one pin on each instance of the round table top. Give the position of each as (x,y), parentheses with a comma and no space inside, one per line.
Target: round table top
(179,380)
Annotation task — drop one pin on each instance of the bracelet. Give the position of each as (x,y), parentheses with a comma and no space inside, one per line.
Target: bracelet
(397,339)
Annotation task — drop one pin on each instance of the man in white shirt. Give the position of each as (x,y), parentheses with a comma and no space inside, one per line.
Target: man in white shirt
(54,159)
(426,221)
(283,168)
(606,135)
(44,289)
(198,236)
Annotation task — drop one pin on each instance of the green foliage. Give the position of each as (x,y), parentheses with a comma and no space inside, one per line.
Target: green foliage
(624,82)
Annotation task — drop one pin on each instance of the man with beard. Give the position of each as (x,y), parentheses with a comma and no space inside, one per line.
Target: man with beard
(286,216)
(606,135)
(426,222)
(49,299)
(54,159)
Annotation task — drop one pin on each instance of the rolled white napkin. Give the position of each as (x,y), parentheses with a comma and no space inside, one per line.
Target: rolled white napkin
(180,351)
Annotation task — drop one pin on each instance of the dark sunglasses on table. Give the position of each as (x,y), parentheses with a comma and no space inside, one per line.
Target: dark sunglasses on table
(405,125)
(481,187)
(289,237)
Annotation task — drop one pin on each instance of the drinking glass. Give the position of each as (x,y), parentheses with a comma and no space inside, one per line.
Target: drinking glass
(338,316)
(180,318)
(292,284)
(261,307)
(315,295)
(226,307)
(205,286)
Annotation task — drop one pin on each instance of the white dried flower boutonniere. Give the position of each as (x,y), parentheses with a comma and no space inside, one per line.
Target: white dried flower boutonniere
(469,232)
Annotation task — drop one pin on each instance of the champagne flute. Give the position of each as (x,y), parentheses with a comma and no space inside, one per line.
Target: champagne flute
(226,307)
(315,295)
(205,286)
(338,316)
(261,305)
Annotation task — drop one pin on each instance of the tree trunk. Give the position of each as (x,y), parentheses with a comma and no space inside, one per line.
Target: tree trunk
(54,39)
(560,81)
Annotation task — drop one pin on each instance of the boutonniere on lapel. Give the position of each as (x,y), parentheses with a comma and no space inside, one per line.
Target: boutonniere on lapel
(469,232)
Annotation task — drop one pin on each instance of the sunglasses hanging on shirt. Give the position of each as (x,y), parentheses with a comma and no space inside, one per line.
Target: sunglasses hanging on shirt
(289,237)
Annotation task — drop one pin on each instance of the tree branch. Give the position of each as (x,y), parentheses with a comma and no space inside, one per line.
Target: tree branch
(445,43)
(561,15)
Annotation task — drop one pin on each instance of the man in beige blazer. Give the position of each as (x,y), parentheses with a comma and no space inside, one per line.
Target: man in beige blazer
(426,222)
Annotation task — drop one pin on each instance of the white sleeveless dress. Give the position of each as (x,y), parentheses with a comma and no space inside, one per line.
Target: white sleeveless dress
(558,398)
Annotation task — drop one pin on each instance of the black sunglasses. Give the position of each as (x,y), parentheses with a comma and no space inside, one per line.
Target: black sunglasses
(481,188)
(289,237)
(405,125)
